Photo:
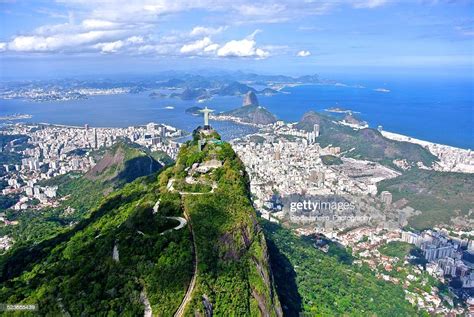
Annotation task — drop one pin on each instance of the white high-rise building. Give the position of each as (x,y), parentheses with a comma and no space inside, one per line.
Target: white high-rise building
(316,130)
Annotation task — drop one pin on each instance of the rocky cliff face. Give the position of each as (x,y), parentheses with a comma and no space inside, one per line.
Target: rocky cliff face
(250,99)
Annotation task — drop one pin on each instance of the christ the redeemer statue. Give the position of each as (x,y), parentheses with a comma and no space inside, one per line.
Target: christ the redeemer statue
(206,112)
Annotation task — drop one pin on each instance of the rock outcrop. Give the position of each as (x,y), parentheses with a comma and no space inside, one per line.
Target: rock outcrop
(250,99)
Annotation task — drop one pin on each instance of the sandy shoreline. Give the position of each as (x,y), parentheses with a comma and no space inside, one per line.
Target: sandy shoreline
(401,137)
(452,159)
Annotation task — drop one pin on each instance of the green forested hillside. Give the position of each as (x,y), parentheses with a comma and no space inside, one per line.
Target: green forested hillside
(312,282)
(80,193)
(124,251)
(365,143)
(441,196)
(253,114)
(75,272)
(233,274)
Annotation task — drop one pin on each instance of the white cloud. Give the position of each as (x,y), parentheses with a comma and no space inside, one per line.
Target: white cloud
(110,47)
(242,48)
(96,24)
(135,40)
(260,10)
(211,48)
(62,41)
(465,30)
(196,47)
(253,34)
(303,53)
(369,4)
(156,49)
(206,31)
(130,26)
(113,47)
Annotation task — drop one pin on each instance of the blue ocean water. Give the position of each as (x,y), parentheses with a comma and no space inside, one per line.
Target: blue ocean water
(433,110)
(437,110)
(120,111)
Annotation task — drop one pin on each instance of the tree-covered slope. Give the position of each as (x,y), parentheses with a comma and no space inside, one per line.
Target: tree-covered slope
(79,194)
(118,166)
(441,196)
(252,114)
(122,164)
(76,271)
(128,252)
(315,283)
(367,144)
(233,273)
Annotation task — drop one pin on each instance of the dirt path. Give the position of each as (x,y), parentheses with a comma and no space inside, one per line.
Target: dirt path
(189,292)
(182,223)
(144,299)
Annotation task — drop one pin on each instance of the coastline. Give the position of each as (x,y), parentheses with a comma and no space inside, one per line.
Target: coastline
(452,159)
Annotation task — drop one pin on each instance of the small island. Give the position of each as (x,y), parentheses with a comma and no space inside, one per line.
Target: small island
(195,111)
(339,110)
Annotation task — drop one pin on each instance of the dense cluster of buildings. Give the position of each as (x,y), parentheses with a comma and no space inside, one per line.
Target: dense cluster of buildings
(451,159)
(283,160)
(57,150)
(56,93)
(285,164)
(446,256)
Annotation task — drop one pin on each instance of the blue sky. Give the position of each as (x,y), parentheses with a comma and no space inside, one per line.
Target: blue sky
(64,38)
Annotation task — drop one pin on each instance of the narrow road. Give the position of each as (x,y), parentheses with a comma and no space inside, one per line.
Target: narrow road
(182,222)
(189,292)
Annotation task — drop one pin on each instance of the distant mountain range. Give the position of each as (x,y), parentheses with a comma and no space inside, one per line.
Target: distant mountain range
(185,86)
(192,91)
(198,87)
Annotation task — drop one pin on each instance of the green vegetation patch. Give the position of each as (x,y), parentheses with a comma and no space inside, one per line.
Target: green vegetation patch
(312,282)
(76,273)
(398,249)
(440,196)
(331,160)
(233,272)
(366,144)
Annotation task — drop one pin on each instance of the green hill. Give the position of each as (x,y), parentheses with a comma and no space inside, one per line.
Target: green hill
(75,272)
(310,282)
(251,111)
(441,196)
(367,144)
(122,164)
(119,165)
(252,114)
(80,194)
(79,273)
